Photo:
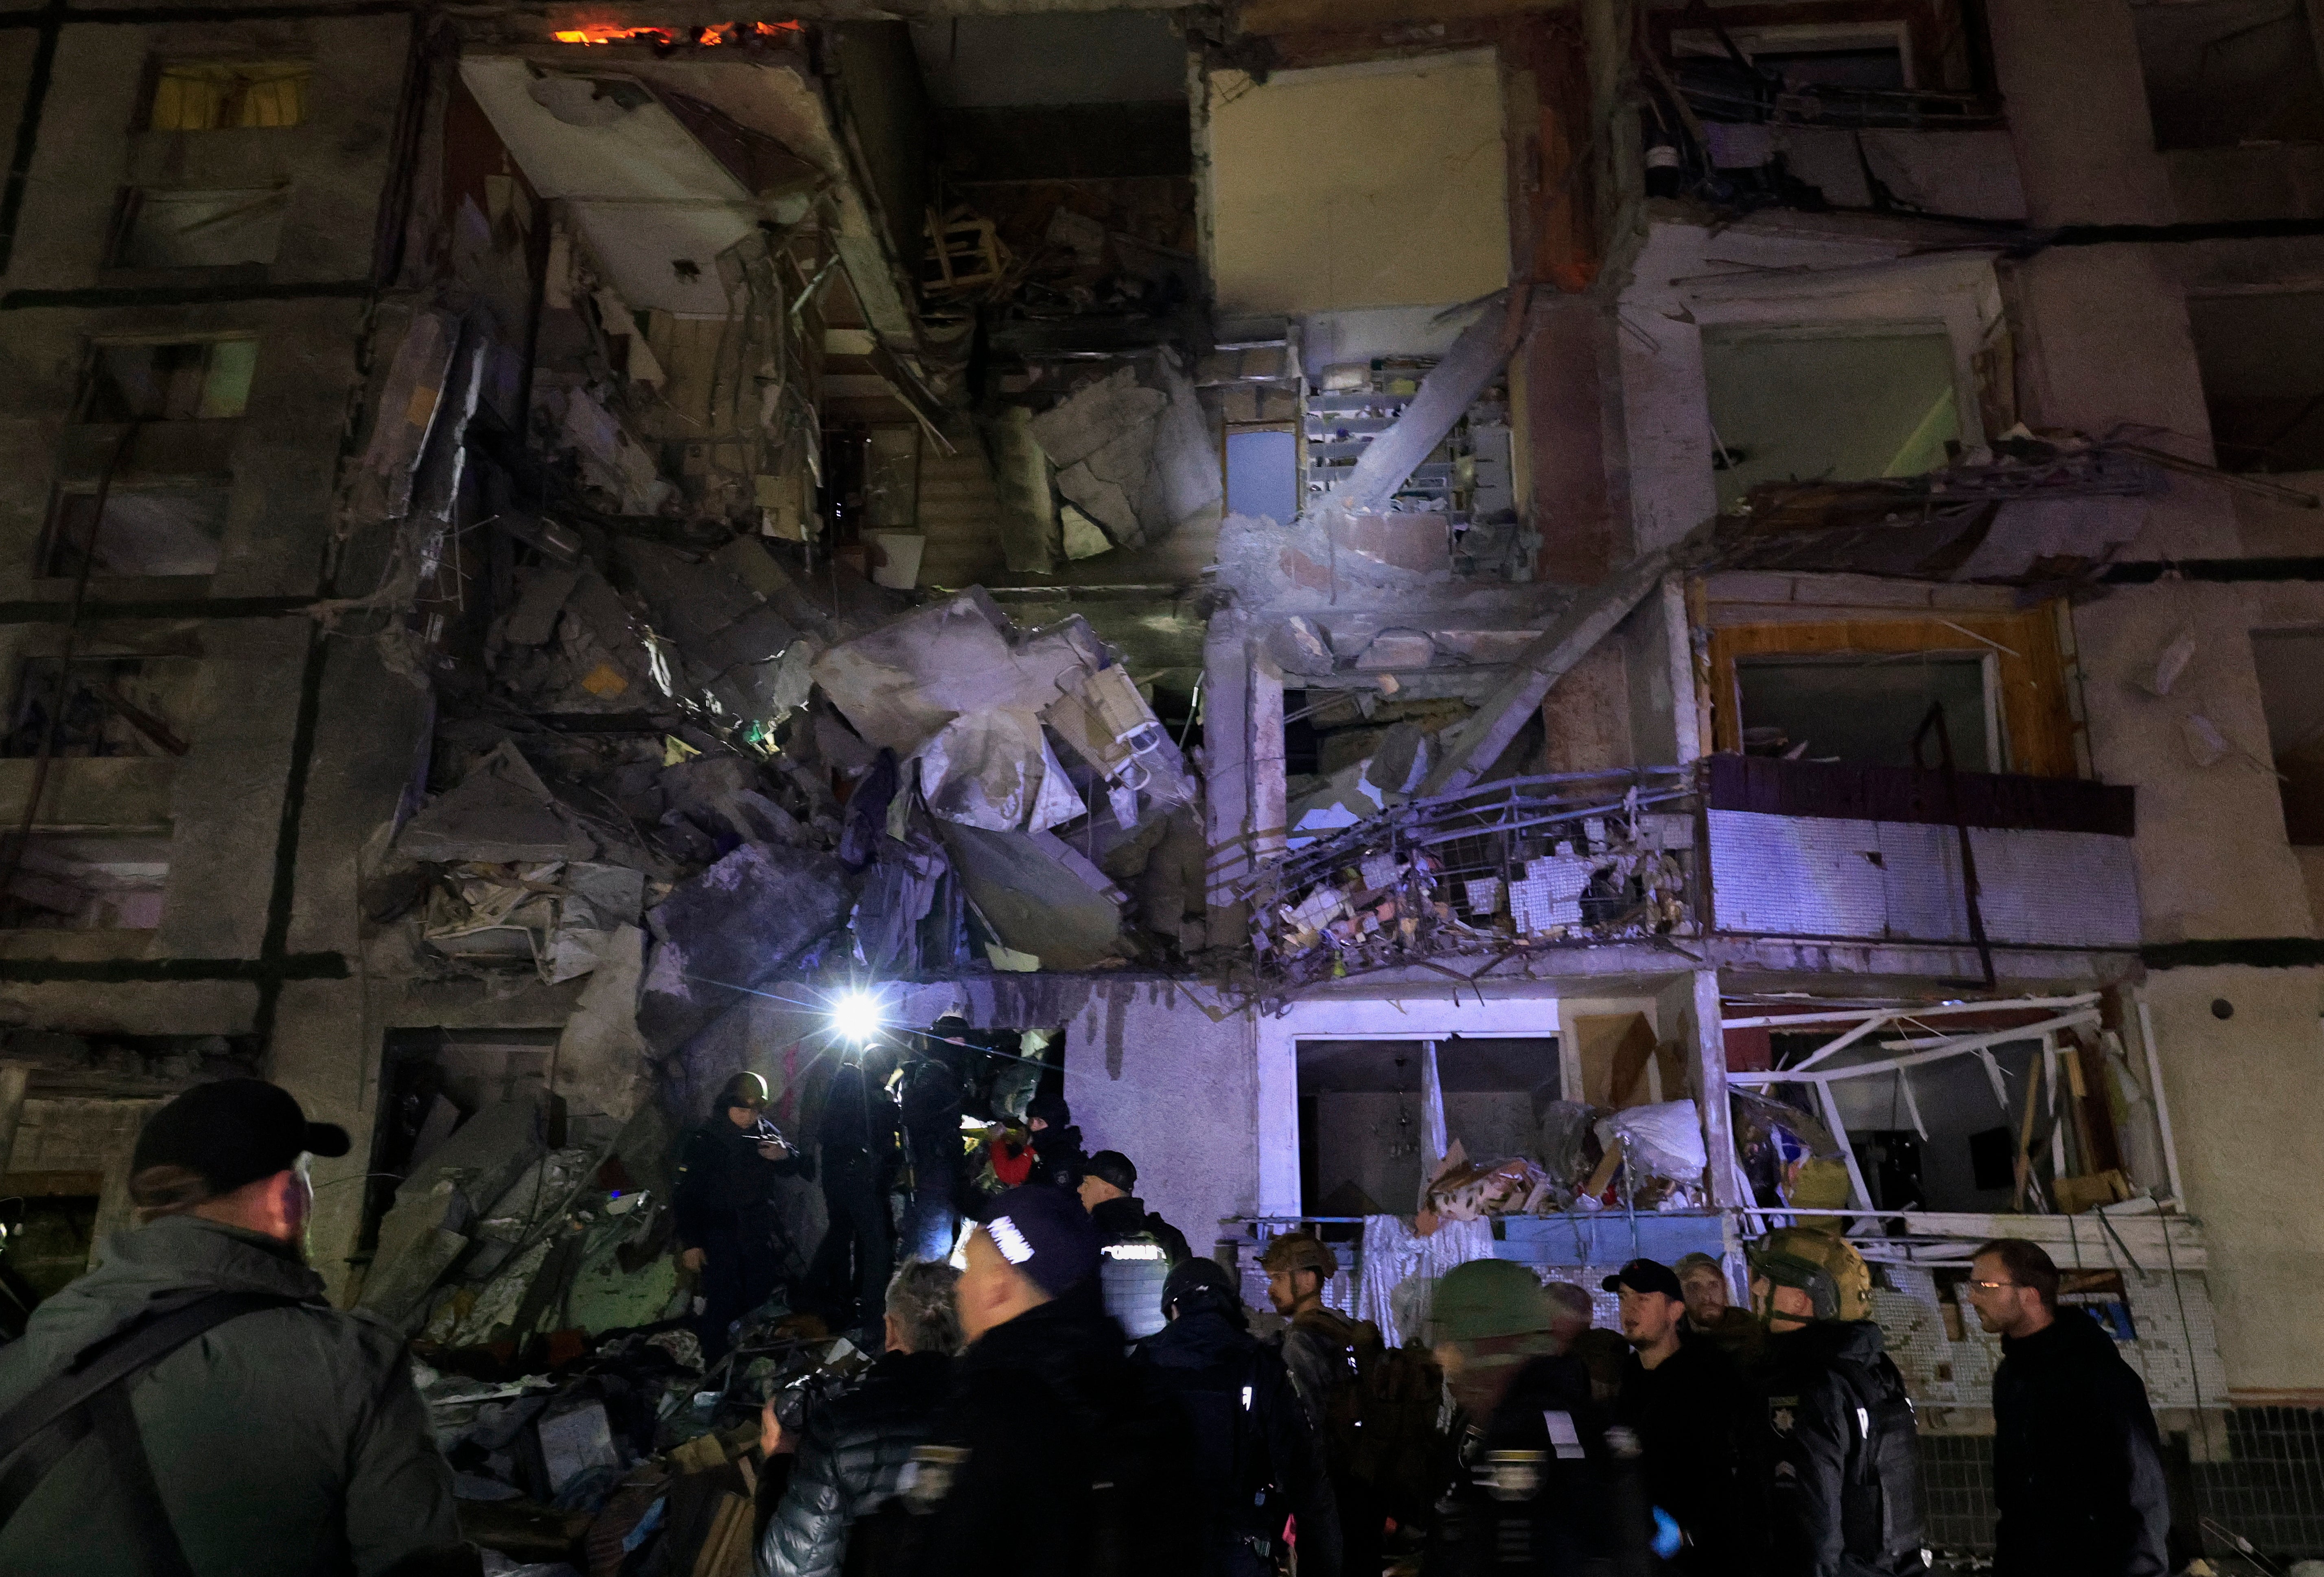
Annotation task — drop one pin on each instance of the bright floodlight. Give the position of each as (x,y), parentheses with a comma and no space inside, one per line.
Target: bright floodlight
(856,1017)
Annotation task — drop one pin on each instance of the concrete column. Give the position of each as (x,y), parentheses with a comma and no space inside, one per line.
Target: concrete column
(14,1077)
(1270,794)
(1226,773)
(1710,1091)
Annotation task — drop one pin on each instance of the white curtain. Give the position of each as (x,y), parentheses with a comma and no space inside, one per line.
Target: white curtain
(1394,1256)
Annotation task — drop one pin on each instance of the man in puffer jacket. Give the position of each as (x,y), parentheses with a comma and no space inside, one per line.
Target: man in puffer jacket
(853,1449)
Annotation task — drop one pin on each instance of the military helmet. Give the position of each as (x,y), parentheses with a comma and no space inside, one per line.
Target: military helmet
(1299,1252)
(1823,1265)
(1490,1297)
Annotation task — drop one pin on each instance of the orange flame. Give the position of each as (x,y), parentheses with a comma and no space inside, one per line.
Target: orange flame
(592,33)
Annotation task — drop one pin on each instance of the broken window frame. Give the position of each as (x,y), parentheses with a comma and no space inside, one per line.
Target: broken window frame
(45,874)
(1860,1026)
(262,208)
(222,394)
(136,725)
(63,542)
(1995,730)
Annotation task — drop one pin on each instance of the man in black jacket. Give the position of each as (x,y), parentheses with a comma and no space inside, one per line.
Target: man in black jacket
(858,1140)
(853,1448)
(724,1208)
(2077,1462)
(1140,1247)
(1057,1157)
(1845,1497)
(1698,1427)
(1256,1459)
(1052,1459)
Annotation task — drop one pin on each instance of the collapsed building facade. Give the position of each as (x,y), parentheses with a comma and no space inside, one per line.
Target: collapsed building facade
(1592,628)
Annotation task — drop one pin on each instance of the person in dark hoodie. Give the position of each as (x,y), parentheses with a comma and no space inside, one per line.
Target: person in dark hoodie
(1844,1455)
(1256,1459)
(858,1140)
(1139,1246)
(833,1513)
(2077,1462)
(1052,1458)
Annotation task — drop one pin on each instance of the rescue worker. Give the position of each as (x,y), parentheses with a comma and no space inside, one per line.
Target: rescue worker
(1536,1490)
(928,1099)
(1051,1458)
(233,1422)
(1139,1246)
(857,1136)
(1256,1456)
(1844,1457)
(727,1230)
(1697,1425)
(1703,1280)
(2077,1462)
(835,1508)
(1057,1157)
(1318,1353)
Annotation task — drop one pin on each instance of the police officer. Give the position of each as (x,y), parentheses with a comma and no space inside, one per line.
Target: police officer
(1538,1489)
(1256,1456)
(1139,1246)
(724,1205)
(1845,1498)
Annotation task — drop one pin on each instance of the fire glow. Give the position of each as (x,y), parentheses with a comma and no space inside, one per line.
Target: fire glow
(711,37)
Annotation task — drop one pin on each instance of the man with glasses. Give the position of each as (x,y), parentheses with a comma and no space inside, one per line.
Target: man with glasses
(195,1404)
(2077,1462)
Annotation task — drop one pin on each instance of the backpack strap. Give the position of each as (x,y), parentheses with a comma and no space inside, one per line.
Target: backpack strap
(91,1395)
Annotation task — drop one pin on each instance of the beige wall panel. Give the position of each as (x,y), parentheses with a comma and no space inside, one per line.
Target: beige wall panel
(1358,185)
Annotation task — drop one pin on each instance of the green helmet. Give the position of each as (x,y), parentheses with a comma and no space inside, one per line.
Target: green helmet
(1490,1297)
(1821,1264)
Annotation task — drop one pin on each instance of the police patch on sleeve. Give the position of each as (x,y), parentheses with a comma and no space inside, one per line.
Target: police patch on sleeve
(928,1477)
(1782,1414)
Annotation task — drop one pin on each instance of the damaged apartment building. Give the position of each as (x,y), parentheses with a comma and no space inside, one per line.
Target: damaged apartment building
(1550,631)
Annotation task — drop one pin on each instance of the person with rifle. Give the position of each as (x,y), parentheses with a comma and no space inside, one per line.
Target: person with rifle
(195,1407)
(1257,1462)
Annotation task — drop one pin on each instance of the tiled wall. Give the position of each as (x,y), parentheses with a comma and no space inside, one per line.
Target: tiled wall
(2270,1490)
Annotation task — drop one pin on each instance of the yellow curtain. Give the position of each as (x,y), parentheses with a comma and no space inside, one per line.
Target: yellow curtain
(208,96)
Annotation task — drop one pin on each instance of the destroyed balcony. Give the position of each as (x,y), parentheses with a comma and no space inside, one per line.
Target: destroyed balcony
(1825,850)
(1495,871)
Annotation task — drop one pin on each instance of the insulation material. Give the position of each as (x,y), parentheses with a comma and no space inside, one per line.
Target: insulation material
(1820,877)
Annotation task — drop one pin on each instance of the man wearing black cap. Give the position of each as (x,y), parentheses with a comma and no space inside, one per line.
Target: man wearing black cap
(1052,1459)
(1139,1246)
(1256,1457)
(1697,1427)
(194,1405)
(1057,1157)
(724,1208)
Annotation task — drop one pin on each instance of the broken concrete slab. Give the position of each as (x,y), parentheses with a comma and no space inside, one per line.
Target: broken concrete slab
(1033,902)
(1299,646)
(1471,747)
(730,929)
(902,682)
(1137,458)
(601,1058)
(539,598)
(1445,395)
(994,769)
(1029,536)
(499,814)
(1395,649)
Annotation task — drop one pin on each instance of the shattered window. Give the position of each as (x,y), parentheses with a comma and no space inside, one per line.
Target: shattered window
(2230,73)
(189,380)
(103,706)
(199,229)
(1809,404)
(2288,662)
(84,884)
(157,530)
(210,96)
(2261,360)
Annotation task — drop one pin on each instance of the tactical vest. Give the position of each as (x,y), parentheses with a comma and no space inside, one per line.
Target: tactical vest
(1130,1276)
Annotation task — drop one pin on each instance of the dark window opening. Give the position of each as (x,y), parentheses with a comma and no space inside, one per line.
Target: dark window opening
(161,228)
(2261,362)
(192,381)
(101,707)
(2289,661)
(86,884)
(1875,67)
(1361,1143)
(1799,405)
(1866,710)
(2230,73)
